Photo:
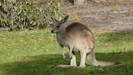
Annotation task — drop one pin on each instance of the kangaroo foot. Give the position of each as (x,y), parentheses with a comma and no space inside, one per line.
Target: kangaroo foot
(65,66)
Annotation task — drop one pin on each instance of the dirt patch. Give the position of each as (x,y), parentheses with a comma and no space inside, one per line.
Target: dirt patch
(114,17)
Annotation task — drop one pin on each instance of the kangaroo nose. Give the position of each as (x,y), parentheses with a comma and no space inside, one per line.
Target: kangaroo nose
(52,31)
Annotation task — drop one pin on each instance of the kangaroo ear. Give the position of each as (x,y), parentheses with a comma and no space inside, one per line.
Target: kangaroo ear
(54,20)
(65,19)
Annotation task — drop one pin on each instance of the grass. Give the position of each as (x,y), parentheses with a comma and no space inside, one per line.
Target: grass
(36,53)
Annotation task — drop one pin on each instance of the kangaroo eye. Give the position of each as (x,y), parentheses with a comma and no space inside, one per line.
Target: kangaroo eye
(57,26)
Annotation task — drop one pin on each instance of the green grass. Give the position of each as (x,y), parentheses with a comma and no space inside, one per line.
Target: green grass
(36,53)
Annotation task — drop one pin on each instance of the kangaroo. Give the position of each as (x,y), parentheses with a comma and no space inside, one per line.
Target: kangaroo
(78,38)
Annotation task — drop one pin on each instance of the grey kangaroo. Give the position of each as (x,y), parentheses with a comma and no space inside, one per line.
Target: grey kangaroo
(78,38)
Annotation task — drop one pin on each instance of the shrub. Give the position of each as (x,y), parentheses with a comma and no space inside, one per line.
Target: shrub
(17,15)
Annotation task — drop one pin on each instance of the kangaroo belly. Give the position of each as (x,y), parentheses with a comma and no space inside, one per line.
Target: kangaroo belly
(77,43)
(81,44)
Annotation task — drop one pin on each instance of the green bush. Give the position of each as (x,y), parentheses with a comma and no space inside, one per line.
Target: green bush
(17,15)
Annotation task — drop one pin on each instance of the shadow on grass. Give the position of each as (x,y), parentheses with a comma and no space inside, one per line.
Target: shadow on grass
(43,65)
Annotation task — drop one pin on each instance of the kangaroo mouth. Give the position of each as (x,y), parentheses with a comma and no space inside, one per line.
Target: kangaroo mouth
(55,31)
(52,31)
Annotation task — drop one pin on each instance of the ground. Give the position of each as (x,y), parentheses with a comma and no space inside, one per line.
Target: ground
(112,17)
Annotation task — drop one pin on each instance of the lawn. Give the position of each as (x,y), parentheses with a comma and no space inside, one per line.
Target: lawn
(37,53)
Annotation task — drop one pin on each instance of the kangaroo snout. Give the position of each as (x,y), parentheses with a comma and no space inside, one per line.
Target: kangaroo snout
(52,31)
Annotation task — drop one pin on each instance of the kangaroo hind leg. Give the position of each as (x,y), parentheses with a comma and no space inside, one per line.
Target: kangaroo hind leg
(73,58)
(83,59)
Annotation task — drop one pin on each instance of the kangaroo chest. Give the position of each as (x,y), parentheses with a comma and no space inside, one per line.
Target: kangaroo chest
(61,40)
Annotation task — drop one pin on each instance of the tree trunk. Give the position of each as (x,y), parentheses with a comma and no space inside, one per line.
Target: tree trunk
(79,2)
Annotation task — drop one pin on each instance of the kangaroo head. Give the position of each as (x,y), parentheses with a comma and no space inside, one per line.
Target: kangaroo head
(57,24)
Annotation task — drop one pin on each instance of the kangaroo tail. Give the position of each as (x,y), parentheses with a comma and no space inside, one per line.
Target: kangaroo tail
(92,60)
(103,63)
